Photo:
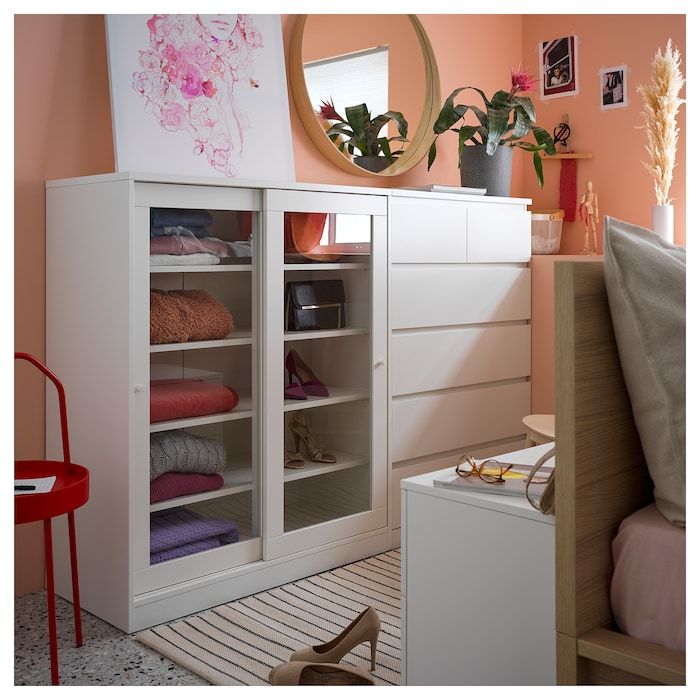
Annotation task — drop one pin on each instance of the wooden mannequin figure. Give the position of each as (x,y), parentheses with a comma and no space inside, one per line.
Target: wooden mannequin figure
(588,213)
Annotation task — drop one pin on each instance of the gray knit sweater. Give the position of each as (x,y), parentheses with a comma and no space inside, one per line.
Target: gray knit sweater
(179,451)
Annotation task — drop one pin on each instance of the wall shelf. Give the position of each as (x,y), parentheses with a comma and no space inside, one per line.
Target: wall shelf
(569,156)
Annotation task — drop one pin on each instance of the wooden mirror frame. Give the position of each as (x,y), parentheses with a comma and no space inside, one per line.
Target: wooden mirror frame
(420,143)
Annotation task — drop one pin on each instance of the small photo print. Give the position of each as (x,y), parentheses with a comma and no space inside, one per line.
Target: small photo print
(559,67)
(613,87)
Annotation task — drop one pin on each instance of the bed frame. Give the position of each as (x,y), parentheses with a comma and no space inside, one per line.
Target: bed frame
(601,479)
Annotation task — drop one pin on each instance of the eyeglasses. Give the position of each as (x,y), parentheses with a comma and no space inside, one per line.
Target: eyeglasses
(490,470)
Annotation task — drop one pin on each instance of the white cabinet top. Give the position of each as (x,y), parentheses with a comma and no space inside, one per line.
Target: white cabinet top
(511,505)
(275,185)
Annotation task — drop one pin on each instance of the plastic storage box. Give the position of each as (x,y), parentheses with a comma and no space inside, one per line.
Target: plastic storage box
(546,231)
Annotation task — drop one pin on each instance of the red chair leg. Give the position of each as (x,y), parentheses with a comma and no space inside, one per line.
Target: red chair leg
(74,577)
(51,600)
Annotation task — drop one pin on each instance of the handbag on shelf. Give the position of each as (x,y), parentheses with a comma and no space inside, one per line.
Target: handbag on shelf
(314,305)
(545,504)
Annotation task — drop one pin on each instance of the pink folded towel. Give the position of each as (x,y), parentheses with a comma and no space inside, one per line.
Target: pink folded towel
(172,485)
(186,398)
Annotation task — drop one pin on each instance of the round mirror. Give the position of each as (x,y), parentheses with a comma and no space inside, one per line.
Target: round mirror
(366,88)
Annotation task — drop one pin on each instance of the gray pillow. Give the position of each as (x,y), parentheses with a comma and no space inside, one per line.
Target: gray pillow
(645,281)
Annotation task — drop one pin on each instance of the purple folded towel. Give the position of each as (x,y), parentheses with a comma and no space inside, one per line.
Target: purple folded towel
(175,529)
(191,548)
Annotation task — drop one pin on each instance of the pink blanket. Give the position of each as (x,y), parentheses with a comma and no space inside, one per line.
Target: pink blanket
(185,398)
(647,593)
(172,485)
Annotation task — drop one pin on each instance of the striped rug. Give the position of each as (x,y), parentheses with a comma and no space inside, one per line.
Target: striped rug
(238,643)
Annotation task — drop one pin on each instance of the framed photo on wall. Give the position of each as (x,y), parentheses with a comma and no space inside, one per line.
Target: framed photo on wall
(613,87)
(200,95)
(559,67)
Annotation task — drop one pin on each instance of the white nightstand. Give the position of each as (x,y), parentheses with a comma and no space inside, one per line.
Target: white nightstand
(477,585)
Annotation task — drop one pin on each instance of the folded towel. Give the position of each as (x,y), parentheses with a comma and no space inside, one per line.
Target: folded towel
(180,451)
(185,550)
(172,485)
(177,528)
(178,316)
(193,259)
(195,231)
(180,241)
(185,398)
(180,217)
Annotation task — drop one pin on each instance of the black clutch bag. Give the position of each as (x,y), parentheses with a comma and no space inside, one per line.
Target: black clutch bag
(314,305)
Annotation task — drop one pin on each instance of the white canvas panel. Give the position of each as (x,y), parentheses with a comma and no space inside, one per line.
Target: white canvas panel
(200,95)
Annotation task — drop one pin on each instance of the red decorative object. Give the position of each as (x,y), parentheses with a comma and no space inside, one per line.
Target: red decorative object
(70,491)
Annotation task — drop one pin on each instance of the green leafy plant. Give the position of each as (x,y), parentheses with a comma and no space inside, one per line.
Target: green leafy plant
(507,119)
(361,131)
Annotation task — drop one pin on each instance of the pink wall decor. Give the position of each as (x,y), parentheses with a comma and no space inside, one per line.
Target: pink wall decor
(200,95)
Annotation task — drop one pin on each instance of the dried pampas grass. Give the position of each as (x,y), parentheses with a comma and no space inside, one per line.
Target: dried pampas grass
(661,105)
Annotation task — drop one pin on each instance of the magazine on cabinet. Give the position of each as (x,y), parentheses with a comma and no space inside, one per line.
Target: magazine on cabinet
(514,484)
(447,189)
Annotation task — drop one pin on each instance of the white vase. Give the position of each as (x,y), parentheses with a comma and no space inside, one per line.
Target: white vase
(662,221)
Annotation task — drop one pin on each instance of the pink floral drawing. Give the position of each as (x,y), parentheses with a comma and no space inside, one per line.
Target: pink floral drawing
(191,76)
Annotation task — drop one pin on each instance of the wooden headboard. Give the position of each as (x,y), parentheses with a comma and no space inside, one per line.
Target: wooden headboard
(601,473)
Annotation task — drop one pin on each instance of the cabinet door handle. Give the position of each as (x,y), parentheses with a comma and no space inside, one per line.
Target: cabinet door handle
(378,364)
(138,388)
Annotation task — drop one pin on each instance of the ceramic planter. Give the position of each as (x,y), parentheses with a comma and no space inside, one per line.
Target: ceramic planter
(477,169)
(375,164)
(662,221)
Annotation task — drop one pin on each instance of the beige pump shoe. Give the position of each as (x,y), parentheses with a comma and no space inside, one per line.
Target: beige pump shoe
(310,673)
(364,628)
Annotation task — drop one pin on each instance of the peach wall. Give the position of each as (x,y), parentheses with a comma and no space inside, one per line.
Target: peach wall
(63,129)
(624,187)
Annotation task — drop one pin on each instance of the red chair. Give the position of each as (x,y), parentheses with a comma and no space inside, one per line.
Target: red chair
(70,491)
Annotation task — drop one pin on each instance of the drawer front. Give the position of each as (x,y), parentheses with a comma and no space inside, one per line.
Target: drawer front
(449,420)
(430,360)
(428,232)
(431,295)
(498,234)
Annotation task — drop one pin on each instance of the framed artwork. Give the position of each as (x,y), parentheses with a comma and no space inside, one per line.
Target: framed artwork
(559,67)
(613,87)
(200,95)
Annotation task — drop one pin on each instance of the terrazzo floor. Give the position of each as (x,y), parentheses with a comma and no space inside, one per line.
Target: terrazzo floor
(108,655)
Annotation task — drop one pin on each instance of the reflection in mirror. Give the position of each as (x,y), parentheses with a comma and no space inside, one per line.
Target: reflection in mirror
(366,100)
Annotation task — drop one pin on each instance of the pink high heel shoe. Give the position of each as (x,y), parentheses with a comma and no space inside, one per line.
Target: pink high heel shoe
(310,384)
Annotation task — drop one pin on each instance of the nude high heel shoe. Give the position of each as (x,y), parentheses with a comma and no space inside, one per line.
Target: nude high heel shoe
(364,628)
(305,673)
(302,435)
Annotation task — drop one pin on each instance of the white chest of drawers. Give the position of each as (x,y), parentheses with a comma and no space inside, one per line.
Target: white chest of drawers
(459,330)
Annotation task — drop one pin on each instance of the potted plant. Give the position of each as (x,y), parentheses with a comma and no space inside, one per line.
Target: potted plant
(486,149)
(358,134)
